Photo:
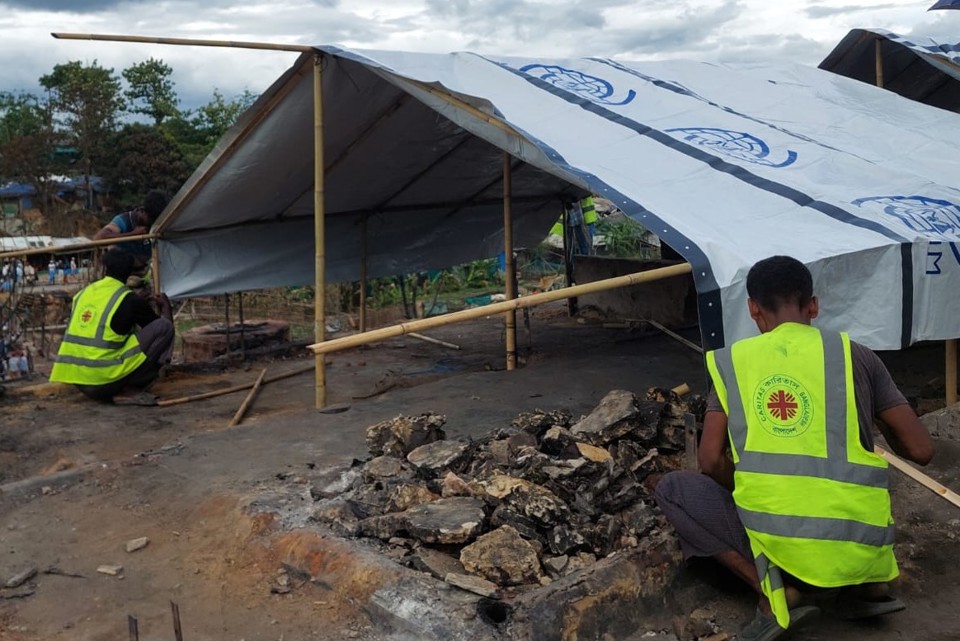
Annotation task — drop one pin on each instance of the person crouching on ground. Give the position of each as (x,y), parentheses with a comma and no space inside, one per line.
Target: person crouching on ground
(115,344)
(801,500)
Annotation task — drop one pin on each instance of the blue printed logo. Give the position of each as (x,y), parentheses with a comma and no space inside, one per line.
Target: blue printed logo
(590,87)
(734,144)
(927,216)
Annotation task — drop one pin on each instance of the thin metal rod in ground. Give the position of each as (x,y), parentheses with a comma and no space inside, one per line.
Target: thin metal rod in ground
(133,628)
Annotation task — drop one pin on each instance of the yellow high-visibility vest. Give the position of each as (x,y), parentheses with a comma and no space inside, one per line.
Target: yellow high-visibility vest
(91,353)
(813,500)
(589,209)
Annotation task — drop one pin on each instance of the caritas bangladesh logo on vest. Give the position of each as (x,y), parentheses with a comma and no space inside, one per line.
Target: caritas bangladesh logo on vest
(783,406)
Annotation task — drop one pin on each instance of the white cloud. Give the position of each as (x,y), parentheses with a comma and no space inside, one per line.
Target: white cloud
(711,30)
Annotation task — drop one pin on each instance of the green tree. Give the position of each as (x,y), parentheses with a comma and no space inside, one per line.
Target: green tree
(86,102)
(196,133)
(151,90)
(27,141)
(142,158)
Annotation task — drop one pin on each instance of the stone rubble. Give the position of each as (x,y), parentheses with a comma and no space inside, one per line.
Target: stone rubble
(520,507)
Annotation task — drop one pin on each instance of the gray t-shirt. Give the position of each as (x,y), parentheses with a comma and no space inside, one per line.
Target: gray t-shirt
(873,388)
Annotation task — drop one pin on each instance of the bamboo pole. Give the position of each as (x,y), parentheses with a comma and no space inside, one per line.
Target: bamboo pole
(878,60)
(498,308)
(63,249)
(238,416)
(319,314)
(237,44)
(435,341)
(950,378)
(155,268)
(918,476)
(236,388)
(510,275)
(363,274)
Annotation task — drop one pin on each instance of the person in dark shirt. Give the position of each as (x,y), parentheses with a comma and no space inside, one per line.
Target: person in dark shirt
(121,363)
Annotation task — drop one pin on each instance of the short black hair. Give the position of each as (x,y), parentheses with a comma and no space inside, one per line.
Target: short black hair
(118,264)
(154,203)
(779,280)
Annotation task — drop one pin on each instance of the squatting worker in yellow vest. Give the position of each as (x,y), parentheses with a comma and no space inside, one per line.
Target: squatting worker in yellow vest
(115,343)
(792,495)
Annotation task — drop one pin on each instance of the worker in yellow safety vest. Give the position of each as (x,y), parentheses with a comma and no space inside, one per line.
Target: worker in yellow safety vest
(115,343)
(792,494)
(582,220)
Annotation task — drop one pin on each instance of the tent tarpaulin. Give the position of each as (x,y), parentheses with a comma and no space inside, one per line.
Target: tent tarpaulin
(727,165)
(925,71)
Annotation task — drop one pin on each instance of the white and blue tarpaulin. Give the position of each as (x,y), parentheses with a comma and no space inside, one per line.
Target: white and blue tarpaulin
(727,165)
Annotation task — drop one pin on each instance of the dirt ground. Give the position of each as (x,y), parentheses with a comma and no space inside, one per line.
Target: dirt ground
(80,479)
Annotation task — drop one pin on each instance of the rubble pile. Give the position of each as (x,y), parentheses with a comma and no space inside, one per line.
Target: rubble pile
(522,506)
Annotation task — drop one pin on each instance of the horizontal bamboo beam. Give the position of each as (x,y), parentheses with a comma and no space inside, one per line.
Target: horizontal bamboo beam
(195,42)
(64,249)
(499,308)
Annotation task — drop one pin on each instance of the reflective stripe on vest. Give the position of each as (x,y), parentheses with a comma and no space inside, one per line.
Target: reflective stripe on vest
(831,540)
(98,340)
(836,466)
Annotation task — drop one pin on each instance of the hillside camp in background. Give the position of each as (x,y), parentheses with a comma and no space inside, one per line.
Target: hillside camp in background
(946,4)
(582,220)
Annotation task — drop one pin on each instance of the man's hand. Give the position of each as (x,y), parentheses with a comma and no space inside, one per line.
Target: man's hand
(163,304)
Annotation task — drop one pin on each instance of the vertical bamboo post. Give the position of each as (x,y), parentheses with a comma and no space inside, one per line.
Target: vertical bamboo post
(320,388)
(363,273)
(155,266)
(243,336)
(951,371)
(878,58)
(511,289)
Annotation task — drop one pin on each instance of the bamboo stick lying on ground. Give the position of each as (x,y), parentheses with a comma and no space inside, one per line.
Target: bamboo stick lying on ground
(235,388)
(249,399)
(918,476)
(435,341)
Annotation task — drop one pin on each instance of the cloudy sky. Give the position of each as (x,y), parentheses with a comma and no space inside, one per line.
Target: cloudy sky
(714,30)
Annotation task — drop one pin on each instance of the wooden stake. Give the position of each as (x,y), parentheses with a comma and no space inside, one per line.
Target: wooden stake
(681,390)
(950,376)
(177,629)
(510,272)
(319,314)
(133,628)
(435,341)
(918,476)
(533,300)
(155,267)
(235,388)
(249,399)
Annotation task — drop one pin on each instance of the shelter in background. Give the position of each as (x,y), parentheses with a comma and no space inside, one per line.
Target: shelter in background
(726,165)
(925,71)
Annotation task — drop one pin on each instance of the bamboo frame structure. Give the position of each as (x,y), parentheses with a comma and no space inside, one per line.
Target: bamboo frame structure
(235,44)
(363,274)
(319,296)
(498,308)
(950,378)
(511,268)
(878,60)
(64,249)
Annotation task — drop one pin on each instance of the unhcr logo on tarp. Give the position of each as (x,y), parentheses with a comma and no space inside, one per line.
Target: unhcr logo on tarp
(931,217)
(590,87)
(738,145)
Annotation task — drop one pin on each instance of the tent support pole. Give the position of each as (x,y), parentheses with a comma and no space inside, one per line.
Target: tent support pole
(155,268)
(363,274)
(950,379)
(319,298)
(383,333)
(878,56)
(511,268)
